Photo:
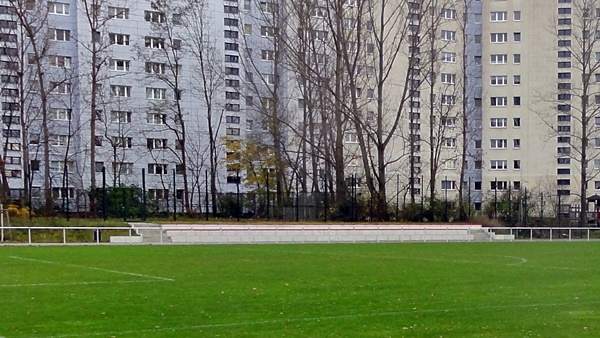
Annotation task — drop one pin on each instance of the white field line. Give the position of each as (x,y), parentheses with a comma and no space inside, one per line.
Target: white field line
(94,268)
(315,319)
(520,260)
(77,283)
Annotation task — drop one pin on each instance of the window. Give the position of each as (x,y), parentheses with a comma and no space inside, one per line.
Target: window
(564,32)
(249,124)
(156,143)
(596,164)
(564,97)
(58,193)
(448,35)
(268,55)
(60,114)
(498,122)
(230,22)
(123,167)
(498,59)
(498,37)
(232,95)
(498,143)
(232,107)
(516,143)
(564,43)
(232,119)
(156,93)
(564,75)
(517,37)
(566,10)
(498,164)
(232,83)
(119,65)
(267,31)
(234,9)
(448,78)
(449,142)
(448,57)
(59,61)
(8,120)
(231,34)
(118,39)
(118,13)
(563,139)
(564,21)
(564,64)
(516,100)
(498,16)
(516,122)
(517,16)
(156,68)
(231,46)
(499,185)
(60,88)
(269,78)
(14,133)
(232,131)
(448,100)
(449,14)
(448,185)
(563,171)
(448,121)
(350,137)
(498,80)
(516,58)
(60,166)
(59,8)
(58,140)
(157,169)
(516,80)
(516,164)
(563,150)
(121,142)
(156,118)
(268,7)
(120,116)
(232,58)
(232,71)
(59,34)
(121,91)
(153,42)
(498,101)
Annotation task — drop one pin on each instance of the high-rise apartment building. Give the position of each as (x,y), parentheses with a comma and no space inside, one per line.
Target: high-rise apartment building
(416,98)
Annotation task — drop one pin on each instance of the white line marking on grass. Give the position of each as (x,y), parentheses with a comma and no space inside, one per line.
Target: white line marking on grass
(521,260)
(77,283)
(94,268)
(314,319)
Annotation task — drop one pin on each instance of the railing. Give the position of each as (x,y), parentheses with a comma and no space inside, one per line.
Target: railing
(14,235)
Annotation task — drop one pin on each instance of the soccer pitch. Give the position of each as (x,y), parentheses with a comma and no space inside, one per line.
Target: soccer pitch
(545,289)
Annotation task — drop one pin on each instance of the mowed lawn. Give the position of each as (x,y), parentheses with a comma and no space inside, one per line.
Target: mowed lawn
(541,289)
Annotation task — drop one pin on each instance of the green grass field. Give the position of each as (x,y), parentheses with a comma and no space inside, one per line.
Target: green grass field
(362,290)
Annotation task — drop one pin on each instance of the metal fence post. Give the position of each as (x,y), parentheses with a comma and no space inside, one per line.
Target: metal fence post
(104,211)
(144,202)
(174,197)
(237,186)
(206,188)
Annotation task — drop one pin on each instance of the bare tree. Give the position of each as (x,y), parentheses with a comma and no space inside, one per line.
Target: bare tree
(32,18)
(164,53)
(208,85)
